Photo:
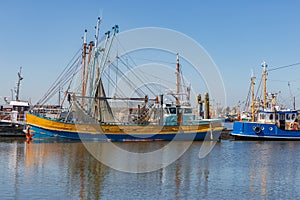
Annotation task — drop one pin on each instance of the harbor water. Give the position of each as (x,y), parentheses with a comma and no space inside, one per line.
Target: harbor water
(61,169)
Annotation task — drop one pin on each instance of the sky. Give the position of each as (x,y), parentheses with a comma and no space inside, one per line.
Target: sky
(42,37)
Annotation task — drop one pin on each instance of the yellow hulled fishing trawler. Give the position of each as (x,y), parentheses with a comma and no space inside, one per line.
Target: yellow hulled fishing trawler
(94,113)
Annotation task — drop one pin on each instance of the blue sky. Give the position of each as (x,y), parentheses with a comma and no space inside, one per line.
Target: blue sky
(42,36)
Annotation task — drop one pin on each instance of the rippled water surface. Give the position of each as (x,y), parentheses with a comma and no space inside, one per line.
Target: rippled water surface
(51,169)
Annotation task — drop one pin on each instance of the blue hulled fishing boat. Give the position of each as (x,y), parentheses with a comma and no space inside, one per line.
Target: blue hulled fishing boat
(268,120)
(279,125)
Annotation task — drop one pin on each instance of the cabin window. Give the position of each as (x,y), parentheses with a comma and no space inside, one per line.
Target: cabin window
(282,117)
(166,110)
(172,110)
(276,116)
(262,116)
(188,110)
(179,110)
(271,117)
(293,116)
(287,117)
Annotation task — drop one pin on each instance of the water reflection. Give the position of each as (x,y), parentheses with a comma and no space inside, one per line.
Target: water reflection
(233,170)
(70,167)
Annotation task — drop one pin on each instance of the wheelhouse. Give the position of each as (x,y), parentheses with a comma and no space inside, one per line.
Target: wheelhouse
(284,119)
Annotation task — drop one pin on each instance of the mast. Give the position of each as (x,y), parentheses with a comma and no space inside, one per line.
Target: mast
(87,70)
(18,84)
(12,94)
(94,63)
(84,64)
(252,96)
(91,44)
(188,95)
(97,31)
(177,79)
(294,103)
(59,95)
(264,65)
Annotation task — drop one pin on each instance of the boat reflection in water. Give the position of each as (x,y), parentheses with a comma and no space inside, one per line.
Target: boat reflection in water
(64,170)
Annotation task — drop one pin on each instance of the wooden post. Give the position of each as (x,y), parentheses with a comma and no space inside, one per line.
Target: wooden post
(206,101)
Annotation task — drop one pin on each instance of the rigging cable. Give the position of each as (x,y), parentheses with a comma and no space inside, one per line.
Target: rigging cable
(60,79)
(285,66)
(258,88)
(248,98)
(129,82)
(139,76)
(136,76)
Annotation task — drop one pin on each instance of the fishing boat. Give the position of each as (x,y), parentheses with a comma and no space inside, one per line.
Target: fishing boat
(93,115)
(13,113)
(268,120)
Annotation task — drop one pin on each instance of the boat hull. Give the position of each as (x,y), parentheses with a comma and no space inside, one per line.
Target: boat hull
(260,131)
(42,128)
(9,129)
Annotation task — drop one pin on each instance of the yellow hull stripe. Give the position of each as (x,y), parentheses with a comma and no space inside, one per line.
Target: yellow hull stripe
(117,129)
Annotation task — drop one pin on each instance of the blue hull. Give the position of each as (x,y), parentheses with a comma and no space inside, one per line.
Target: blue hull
(254,130)
(43,133)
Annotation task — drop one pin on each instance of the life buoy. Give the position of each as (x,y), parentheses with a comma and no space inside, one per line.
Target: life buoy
(257,129)
(294,126)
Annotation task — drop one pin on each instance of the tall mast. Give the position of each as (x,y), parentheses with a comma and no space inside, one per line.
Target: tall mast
(188,95)
(177,79)
(264,65)
(84,64)
(91,44)
(252,96)
(12,94)
(96,62)
(294,103)
(18,84)
(97,31)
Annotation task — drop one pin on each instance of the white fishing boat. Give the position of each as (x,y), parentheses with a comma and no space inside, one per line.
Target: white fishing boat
(13,112)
